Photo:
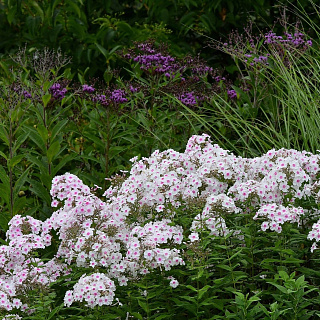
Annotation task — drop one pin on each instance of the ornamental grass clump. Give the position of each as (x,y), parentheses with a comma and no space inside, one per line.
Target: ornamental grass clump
(274,97)
(172,214)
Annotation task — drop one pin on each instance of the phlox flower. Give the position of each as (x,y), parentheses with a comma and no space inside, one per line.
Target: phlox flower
(95,289)
(173,282)
(194,236)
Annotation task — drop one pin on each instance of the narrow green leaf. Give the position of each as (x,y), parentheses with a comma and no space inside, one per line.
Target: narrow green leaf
(143,305)
(19,204)
(20,182)
(191,299)
(38,9)
(137,315)
(102,50)
(163,316)
(46,180)
(203,290)
(75,8)
(4,135)
(57,128)
(4,220)
(15,160)
(3,155)
(37,139)
(5,193)
(20,140)
(42,167)
(46,98)
(3,176)
(62,162)
(283,275)
(191,287)
(55,310)
(43,132)
(53,151)
(281,288)
(97,141)
(40,191)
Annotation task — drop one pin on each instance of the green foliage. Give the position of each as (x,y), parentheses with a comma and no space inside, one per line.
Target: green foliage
(253,275)
(91,31)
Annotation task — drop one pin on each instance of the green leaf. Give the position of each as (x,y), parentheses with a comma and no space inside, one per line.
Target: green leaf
(4,135)
(46,98)
(102,50)
(115,150)
(143,305)
(97,141)
(43,132)
(75,8)
(3,155)
(5,192)
(124,28)
(4,220)
(20,140)
(191,299)
(192,288)
(20,182)
(11,14)
(283,275)
(203,290)
(15,160)
(281,288)
(46,180)
(53,151)
(137,315)
(3,176)
(43,168)
(40,191)
(225,267)
(63,162)
(163,316)
(57,128)
(19,204)
(38,9)
(55,310)
(37,139)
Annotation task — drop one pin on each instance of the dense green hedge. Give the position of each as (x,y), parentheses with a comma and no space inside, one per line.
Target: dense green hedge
(90,31)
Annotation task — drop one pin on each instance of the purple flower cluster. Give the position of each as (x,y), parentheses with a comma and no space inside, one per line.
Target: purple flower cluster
(232,94)
(58,93)
(248,48)
(154,61)
(146,47)
(259,59)
(100,98)
(188,99)
(26,94)
(219,78)
(288,40)
(133,89)
(118,96)
(88,89)
(157,63)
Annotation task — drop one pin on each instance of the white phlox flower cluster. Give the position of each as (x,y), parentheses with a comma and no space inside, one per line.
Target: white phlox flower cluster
(96,290)
(212,215)
(20,271)
(132,232)
(144,245)
(278,215)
